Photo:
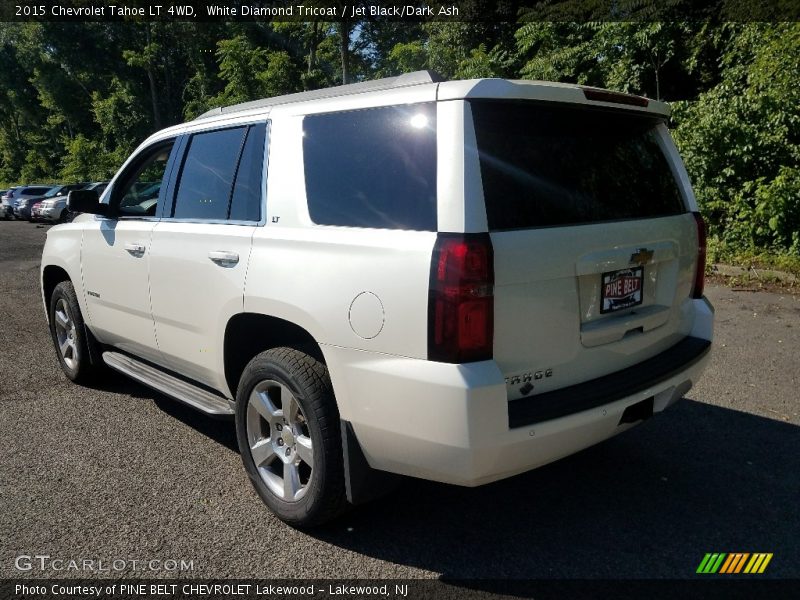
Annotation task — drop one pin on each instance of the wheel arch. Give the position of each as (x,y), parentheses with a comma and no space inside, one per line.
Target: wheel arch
(247,334)
(52,275)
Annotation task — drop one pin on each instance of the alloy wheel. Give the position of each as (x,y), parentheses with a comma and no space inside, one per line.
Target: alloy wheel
(66,334)
(279,440)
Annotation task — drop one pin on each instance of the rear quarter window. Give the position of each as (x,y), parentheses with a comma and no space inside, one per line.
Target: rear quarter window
(372,168)
(544,166)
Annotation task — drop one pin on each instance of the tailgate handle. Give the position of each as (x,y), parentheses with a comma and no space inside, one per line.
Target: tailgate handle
(633,331)
(613,329)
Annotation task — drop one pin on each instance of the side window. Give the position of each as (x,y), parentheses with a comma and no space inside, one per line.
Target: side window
(221,178)
(139,191)
(372,168)
(247,194)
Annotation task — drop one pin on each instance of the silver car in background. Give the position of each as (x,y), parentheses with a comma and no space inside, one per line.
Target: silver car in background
(54,210)
(19,204)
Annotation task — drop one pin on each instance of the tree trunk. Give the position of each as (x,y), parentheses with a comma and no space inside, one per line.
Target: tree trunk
(312,51)
(656,66)
(17,133)
(168,93)
(154,98)
(153,90)
(345,51)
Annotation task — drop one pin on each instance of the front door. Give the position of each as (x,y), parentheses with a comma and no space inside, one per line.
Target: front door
(116,256)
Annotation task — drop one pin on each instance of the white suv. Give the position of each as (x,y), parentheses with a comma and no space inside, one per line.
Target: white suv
(453,280)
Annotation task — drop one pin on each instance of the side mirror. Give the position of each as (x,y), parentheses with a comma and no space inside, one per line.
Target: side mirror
(85,201)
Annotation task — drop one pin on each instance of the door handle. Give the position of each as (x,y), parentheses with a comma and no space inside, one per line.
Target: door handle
(135,249)
(223,258)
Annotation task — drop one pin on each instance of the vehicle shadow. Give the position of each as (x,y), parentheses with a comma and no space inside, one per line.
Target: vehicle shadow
(220,430)
(646,504)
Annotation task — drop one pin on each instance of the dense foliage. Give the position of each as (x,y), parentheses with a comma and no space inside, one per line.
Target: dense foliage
(75,99)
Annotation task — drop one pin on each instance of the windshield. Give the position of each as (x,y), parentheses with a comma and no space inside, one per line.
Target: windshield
(53,191)
(554,165)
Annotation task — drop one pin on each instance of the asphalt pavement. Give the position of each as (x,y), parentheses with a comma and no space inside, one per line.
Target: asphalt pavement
(119,472)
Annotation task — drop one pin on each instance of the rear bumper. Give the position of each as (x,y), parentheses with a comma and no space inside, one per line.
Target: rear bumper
(452,423)
(609,388)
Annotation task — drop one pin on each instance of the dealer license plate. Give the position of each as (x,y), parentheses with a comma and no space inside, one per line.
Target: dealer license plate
(621,289)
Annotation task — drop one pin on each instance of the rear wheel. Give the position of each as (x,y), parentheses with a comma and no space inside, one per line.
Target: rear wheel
(78,352)
(287,425)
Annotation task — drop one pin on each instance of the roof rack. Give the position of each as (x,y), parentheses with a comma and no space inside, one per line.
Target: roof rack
(405,80)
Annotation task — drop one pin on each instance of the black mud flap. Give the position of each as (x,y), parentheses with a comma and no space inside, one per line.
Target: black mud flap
(362,482)
(95,350)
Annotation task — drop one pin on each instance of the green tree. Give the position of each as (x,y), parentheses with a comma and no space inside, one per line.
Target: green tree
(124,122)
(741,140)
(80,160)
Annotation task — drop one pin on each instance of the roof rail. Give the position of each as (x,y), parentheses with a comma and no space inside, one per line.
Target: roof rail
(405,80)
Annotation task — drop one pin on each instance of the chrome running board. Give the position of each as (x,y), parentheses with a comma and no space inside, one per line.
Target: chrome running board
(173,387)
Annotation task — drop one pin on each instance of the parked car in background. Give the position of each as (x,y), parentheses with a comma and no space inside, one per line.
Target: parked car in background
(55,210)
(21,204)
(57,193)
(6,203)
(36,211)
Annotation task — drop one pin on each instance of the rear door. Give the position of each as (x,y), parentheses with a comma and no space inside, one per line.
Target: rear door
(201,247)
(594,246)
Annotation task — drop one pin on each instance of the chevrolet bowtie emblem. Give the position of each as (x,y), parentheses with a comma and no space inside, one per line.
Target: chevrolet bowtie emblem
(642,256)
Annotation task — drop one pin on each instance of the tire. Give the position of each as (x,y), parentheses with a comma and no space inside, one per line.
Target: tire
(77,350)
(292,454)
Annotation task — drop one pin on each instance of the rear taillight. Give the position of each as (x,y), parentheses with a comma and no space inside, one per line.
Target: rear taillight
(461,298)
(700,273)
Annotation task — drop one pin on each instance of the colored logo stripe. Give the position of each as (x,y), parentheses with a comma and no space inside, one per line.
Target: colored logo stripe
(710,563)
(723,563)
(758,563)
(734,563)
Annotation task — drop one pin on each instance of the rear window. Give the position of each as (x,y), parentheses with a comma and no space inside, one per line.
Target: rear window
(34,191)
(546,166)
(372,168)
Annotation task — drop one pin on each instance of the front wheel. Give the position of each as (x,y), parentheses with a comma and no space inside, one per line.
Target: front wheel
(77,350)
(287,425)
